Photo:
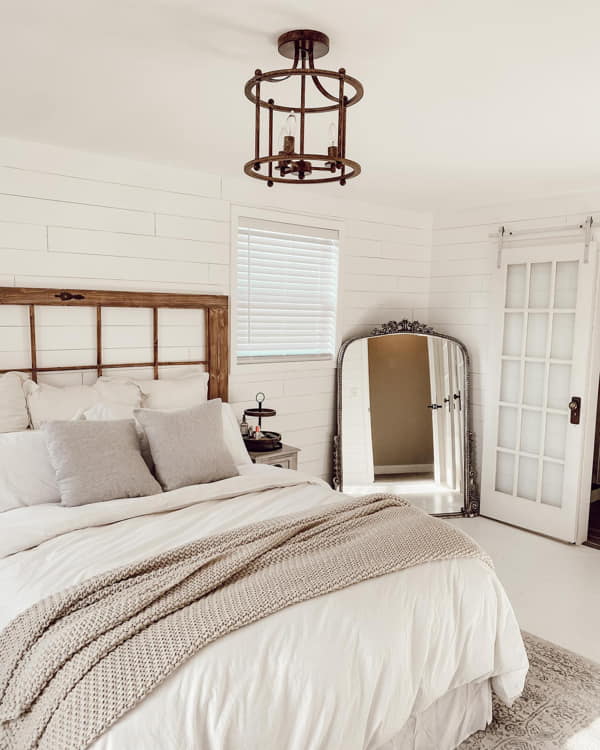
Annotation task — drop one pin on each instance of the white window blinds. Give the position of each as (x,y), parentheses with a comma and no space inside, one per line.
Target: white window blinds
(287,278)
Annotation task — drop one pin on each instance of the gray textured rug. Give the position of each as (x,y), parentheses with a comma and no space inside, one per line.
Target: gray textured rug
(559,709)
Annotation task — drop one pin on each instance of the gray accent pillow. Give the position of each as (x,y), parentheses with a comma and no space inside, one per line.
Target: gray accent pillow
(97,461)
(188,445)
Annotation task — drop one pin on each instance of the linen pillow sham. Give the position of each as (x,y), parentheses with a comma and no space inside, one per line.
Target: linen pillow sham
(26,475)
(173,393)
(188,446)
(96,461)
(13,407)
(49,403)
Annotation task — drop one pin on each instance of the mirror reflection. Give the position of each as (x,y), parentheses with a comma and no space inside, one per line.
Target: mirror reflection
(403,419)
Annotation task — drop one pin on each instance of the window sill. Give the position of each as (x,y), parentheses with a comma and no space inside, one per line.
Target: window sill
(284,358)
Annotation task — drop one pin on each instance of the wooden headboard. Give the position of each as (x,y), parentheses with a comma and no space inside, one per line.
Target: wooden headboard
(216,321)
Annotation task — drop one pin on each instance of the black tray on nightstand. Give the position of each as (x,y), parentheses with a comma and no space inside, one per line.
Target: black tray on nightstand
(271,441)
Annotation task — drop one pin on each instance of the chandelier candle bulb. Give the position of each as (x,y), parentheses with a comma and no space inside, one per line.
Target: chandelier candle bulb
(291,124)
(294,165)
(332,134)
(282,135)
(332,151)
(290,133)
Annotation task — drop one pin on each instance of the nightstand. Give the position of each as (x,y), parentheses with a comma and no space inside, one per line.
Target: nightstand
(285,457)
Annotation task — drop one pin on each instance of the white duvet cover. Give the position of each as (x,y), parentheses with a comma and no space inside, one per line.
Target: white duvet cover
(347,671)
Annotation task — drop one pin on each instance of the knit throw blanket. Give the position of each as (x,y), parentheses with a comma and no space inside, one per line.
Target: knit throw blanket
(73,663)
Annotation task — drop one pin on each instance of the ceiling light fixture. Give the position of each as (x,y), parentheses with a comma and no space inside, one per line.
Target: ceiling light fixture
(290,163)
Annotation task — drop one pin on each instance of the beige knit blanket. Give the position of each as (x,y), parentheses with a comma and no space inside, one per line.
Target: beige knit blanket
(73,663)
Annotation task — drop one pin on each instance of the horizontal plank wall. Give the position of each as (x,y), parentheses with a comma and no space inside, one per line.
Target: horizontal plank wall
(462,262)
(88,221)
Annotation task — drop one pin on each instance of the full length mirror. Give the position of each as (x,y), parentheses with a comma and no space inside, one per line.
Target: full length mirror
(403,418)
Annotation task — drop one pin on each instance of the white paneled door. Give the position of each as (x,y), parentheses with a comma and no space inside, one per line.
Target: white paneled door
(541,339)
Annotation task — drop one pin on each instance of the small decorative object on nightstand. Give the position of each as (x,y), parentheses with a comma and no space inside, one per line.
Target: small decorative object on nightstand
(257,439)
(285,457)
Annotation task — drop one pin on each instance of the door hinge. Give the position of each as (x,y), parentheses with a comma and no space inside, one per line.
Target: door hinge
(587,237)
(500,238)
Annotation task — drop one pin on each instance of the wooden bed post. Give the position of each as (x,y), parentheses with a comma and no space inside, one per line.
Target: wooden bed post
(32,343)
(155,342)
(218,352)
(99,340)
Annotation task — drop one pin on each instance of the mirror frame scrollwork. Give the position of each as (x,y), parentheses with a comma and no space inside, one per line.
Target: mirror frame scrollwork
(471,494)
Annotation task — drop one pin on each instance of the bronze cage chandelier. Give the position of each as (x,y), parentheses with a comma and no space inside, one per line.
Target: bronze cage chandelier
(289,163)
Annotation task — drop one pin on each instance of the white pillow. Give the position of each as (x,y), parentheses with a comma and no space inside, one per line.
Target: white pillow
(120,392)
(48,403)
(103,412)
(173,393)
(13,407)
(26,474)
(231,429)
(233,437)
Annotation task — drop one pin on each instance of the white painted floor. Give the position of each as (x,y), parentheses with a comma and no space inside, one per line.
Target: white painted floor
(420,489)
(554,587)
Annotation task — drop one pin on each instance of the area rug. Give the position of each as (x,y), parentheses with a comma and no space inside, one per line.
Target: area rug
(559,708)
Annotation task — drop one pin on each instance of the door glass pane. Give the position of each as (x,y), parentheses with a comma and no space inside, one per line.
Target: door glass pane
(510,380)
(531,431)
(533,387)
(556,435)
(539,285)
(516,280)
(528,476)
(552,483)
(565,292)
(537,329)
(513,334)
(559,379)
(563,328)
(507,427)
(505,472)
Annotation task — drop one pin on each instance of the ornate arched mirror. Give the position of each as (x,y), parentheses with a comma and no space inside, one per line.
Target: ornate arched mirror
(404,418)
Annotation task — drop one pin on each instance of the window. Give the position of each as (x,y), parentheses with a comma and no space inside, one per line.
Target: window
(287,277)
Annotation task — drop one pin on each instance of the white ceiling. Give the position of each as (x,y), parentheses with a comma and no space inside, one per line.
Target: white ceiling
(466,102)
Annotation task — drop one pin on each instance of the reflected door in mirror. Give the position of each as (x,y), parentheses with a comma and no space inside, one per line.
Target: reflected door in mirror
(402,419)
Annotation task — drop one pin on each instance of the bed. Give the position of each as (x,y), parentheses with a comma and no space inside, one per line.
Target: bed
(405,660)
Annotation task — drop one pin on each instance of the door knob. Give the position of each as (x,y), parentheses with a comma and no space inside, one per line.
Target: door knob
(434,406)
(575,409)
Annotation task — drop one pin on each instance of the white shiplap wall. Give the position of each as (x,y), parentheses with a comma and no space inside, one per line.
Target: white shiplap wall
(74,219)
(462,262)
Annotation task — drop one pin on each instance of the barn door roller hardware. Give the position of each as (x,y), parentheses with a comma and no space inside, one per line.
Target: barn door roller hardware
(502,234)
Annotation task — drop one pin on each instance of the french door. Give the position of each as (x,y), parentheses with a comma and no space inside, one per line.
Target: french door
(435,355)
(540,349)
(446,418)
(448,403)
